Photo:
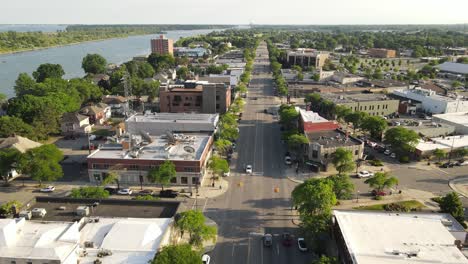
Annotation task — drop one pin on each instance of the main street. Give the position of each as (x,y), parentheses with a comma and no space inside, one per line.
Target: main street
(251,207)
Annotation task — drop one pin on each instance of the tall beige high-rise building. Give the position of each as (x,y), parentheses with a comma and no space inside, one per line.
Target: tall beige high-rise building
(162,45)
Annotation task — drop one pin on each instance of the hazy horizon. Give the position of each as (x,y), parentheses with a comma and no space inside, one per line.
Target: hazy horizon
(242,12)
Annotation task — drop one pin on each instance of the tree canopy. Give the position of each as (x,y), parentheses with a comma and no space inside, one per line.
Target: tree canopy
(162,174)
(402,140)
(42,163)
(342,186)
(180,254)
(94,63)
(194,223)
(343,160)
(218,165)
(9,158)
(48,70)
(381,181)
(375,125)
(94,192)
(451,204)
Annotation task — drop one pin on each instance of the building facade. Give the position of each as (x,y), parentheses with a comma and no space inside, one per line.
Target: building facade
(310,121)
(382,53)
(372,104)
(198,97)
(306,58)
(432,102)
(162,45)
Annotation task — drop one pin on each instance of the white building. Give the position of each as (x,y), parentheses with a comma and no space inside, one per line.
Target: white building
(425,148)
(160,123)
(128,240)
(432,102)
(30,242)
(367,237)
(458,120)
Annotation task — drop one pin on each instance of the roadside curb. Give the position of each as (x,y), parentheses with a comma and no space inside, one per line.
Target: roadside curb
(294,180)
(452,185)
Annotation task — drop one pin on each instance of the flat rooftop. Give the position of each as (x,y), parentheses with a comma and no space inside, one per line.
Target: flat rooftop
(64,209)
(311,116)
(460,118)
(181,147)
(355,97)
(420,93)
(159,118)
(459,141)
(453,67)
(406,238)
(386,83)
(331,139)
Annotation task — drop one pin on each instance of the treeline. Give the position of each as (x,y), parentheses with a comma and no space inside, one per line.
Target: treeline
(216,40)
(12,41)
(349,28)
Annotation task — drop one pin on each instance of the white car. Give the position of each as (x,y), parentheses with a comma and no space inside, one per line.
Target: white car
(125,191)
(393,155)
(387,152)
(205,259)
(248,169)
(48,189)
(226,174)
(287,160)
(365,174)
(301,244)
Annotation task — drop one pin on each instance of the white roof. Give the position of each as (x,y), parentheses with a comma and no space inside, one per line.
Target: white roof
(381,237)
(131,240)
(310,116)
(21,239)
(454,67)
(460,118)
(443,143)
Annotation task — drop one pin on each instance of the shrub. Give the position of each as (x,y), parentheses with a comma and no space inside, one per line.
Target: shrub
(5,209)
(379,197)
(145,198)
(89,192)
(376,162)
(404,159)
(394,207)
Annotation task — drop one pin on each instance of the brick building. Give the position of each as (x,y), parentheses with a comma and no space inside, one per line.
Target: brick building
(382,53)
(310,121)
(306,57)
(198,97)
(162,45)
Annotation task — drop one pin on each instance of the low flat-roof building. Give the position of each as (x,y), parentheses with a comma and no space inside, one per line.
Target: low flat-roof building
(310,121)
(382,53)
(433,103)
(160,123)
(426,148)
(133,158)
(429,128)
(458,120)
(373,104)
(190,52)
(322,145)
(369,237)
(453,68)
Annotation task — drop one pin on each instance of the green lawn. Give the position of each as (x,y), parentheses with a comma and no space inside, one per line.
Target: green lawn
(412,204)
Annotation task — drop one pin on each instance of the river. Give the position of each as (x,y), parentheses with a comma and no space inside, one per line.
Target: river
(70,57)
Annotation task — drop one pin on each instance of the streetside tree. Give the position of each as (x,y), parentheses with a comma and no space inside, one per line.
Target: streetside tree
(288,116)
(357,118)
(194,223)
(375,125)
(343,187)
(180,254)
(222,146)
(42,163)
(451,204)
(9,159)
(296,143)
(48,70)
(94,64)
(381,181)
(438,153)
(162,174)
(218,166)
(343,160)
(402,140)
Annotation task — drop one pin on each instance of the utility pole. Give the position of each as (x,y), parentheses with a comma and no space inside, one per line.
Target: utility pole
(127,93)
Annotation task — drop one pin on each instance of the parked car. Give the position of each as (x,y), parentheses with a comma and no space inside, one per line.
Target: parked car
(287,160)
(378,193)
(301,244)
(111,190)
(365,174)
(267,240)
(387,152)
(393,155)
(233,145)
(287,239)
(248,169)
(168,193)
(226,174)
(462,163)
(205,259)
(125,191)
(448,165)
(371,144)
(48,189)
(146,192)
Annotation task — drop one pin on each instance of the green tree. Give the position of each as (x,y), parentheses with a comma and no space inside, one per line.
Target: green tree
(218,166)
(24,84)
(402,140)
(288,116)
(326,260)
(6,209)
(381,181)
(11,125)
(438,153)
(343,160)
(180,254)
(375,125)
(94,63)
(9,159)
(162,174)
(110,178)
(451,204)
(314,196)
(42,163)
(228,132)
(222,146)
(161,62)
(342,111)
(342,186)
(94,192)
(194,223)
(296,143)
(145,70)
(183,73)
(461,152)
(48,70)
(357,118)
(457,84)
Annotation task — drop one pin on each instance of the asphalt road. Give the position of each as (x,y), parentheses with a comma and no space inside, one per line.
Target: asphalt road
(251,207)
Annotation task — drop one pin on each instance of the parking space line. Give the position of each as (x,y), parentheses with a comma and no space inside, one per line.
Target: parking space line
(442,170)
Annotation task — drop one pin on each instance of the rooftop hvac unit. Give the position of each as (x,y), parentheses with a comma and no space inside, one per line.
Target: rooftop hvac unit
(26,214)
(82,210)
(447,222)
(39,212)
(89,244)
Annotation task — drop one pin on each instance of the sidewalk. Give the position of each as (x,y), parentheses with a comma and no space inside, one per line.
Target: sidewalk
(460,185)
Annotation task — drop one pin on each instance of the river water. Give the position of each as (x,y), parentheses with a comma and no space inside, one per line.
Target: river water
(70,57)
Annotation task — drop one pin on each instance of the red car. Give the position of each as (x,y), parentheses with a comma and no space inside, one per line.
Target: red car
(287,240)
(378,193)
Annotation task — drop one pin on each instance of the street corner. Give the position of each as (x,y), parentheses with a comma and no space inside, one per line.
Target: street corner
(460,186)
(211,190)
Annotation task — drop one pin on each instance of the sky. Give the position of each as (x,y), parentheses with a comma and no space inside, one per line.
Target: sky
(233,11)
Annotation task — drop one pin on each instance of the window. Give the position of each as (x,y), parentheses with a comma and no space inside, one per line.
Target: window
(13,262)
(106,166)
(184,180)
(378,107)
(187,104)
(188,169)
(177,98)
(314,154)
(217,98)
(365,107)
(325,156)
(133,167)
(95,166)
(360,108)
(356,152)
(217,106)
(174,180)
(195,180)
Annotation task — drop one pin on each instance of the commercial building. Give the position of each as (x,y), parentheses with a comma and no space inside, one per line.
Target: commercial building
(433,103)
(195,96)
(382,53)
(162,45)
(160,123)
(30,242)
(306,57)
(345,78)
(458,120)
(453,68)
(322,145)
(373,104)
(310,121)
(447,144)
(429,128)
(135,156)
(190,52)
(369,237)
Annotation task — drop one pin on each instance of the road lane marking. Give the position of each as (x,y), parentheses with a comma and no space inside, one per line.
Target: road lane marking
(248,252)
(204,206)
(277,249)
(233,246)
(442,171)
